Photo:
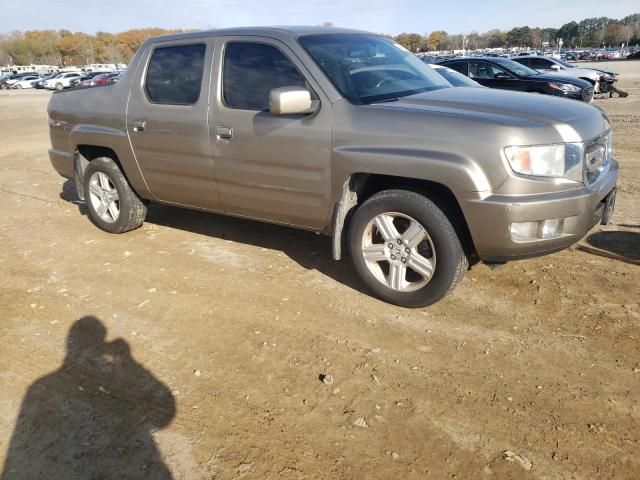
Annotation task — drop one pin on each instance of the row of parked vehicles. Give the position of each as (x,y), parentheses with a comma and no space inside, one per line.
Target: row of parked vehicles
(535,74)
(59,80)
(632,53)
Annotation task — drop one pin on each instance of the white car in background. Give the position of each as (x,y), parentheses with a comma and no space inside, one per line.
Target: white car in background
(62,80)
(25,82)
(600,79)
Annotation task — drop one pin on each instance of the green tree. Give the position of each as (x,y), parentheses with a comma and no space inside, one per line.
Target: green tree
(519,37)
(569,33)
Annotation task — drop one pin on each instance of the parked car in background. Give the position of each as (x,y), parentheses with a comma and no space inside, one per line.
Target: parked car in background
(428,59)
(103,78)
(454,78)
(506,74)
(344,133)
(9,81)
(25,82)
(61,81)
(39,84)
(600,80)
(84,79)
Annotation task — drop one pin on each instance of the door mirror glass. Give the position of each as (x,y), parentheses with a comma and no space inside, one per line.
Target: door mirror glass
(290,101)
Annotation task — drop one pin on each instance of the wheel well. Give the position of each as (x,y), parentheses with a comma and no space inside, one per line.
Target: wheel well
(89,152)
(84,154)
(364,185)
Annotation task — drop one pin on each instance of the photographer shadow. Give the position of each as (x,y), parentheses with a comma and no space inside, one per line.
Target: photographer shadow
(93,417)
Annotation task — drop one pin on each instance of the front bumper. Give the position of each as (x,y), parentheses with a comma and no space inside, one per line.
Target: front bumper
(490,218)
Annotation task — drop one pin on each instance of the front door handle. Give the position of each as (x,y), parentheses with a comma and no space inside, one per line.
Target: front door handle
(139,125)
(224,133)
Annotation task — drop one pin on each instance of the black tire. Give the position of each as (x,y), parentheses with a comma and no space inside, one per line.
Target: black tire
(132,209)
(451,261)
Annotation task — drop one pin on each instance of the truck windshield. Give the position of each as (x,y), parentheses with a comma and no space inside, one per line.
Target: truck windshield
(368,68)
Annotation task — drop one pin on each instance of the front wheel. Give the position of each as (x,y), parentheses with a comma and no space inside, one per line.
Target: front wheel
(405,249)
(59,86)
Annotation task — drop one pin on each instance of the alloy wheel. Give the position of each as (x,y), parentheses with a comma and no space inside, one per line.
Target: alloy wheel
(398,251)
(104,197)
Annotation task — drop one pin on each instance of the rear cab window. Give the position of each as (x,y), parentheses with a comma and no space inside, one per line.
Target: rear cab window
(174,74)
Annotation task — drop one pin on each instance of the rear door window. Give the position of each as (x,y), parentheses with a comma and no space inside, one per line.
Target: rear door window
(252,70)
(174,75)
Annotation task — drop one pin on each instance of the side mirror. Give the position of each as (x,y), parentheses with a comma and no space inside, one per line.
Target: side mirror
(290,101)
(502,76)
(556,67)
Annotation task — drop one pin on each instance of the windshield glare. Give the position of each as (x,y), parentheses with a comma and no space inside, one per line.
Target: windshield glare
(456,78)
(369,68)
(515,67)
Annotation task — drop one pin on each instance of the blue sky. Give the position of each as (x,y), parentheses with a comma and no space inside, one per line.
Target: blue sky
(388,16)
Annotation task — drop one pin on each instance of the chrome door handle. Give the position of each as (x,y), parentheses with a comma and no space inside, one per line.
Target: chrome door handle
(139,126)
(224,133)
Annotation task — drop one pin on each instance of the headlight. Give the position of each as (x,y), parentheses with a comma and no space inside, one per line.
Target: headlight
(564,160)
(564,87)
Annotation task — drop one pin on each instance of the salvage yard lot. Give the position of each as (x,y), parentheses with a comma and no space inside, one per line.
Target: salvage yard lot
(237,321)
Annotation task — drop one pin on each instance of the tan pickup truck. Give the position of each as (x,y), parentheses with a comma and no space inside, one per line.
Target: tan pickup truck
(340,132)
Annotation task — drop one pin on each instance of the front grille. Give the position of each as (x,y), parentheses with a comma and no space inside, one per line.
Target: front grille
(587,94)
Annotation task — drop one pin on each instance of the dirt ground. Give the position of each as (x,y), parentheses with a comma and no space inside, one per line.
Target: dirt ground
(193,347)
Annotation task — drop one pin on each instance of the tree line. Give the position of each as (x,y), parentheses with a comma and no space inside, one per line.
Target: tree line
(63,47)
(590,32)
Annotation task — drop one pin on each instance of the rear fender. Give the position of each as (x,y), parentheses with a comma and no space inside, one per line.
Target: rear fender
(116,140)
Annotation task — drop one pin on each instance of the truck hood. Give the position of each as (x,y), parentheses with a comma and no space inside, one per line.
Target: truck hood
(566,120)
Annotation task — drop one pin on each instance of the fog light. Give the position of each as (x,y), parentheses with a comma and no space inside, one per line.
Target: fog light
(540,230)
(524,231)
(552,228)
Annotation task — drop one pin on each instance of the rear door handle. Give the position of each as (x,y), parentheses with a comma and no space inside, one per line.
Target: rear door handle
(139,125)
(224,133)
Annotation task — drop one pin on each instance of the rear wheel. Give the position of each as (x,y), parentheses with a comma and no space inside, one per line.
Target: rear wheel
(113,205)
(405,249)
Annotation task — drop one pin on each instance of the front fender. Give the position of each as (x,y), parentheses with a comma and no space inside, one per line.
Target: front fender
(452,170)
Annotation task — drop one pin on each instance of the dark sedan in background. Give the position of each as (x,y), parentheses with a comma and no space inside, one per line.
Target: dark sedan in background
(495,72)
